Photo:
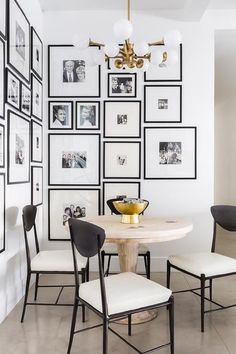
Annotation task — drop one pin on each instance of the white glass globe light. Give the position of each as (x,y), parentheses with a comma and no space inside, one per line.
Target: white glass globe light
(172,38)
(172,57)
(80,42)
(156,57)
(122,29)
(111,49)
(98,57)
(141,48)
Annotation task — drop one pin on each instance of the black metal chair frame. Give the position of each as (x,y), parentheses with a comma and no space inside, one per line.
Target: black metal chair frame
(96,237)
(228,224)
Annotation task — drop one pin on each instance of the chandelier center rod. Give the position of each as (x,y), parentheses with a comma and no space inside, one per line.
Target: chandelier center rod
(129,9)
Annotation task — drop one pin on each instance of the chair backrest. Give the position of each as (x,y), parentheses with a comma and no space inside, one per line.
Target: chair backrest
(28,217)
(113,209)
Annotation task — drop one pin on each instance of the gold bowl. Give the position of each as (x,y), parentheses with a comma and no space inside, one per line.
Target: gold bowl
(130,211)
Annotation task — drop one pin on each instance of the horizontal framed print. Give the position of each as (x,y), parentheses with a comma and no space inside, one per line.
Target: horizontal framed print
(18,149)
(122,119)
(2,211)
(121,85)
(36,185)
(60,115)
(74,159)
(2,78)
(25,100)
(18,40)
(2,145)
(36,98)
(36,54)
(36,142)
(170,153)
(3,18)
(88,115)
(13,90)
(121,159)
(163,72)
(163,104)
(64,204)
(69,73)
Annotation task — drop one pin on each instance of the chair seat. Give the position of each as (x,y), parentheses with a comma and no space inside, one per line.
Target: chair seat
(124,291)
(56,261)
(210,264)
(112,248)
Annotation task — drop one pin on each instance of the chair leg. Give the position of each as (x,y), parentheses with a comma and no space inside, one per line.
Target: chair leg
(202,301)
(103,260)
(210,289)
(73,322)
(36,287)
(168,275)
(171,325)
(148,264)
(84,276)
(26,296)
(129,325)
(87,271)
(105,336)
(108,266)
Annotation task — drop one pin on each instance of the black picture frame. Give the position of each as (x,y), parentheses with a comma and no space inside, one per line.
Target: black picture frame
(34,195)
(2,79)
(3,211)
(2,146)
(3,26)
(22,95)
(88,103)
(36,94)
(12,93)
(36,141)
(120,94)
(70,106)
(38,71)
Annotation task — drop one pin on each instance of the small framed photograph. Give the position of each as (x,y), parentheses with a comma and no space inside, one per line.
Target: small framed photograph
(3,17)
(74,159)
(122,119)
(36,185)
(121,85)
(88,115)
(2,211)
(13,90)
(36,98)
(18,40)
(64,204)
(170,153)
(18,149)
(60,115)
(2,145)
(25,102)
(163,104)
(2,78)
(36,54)
(36,142)
(121,159)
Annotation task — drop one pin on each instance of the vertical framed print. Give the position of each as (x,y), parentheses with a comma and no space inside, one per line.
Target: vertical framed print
(2,145)
(18,40)
(2,211)
(36,54)
(60,115)
(36,185)
(25,100)
(2,78)
(36,98)
(3,19)
(13,90)
(36,142)
(121,85)
(88,115)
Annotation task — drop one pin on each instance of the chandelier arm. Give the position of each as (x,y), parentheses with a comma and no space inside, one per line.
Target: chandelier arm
(161,42)
(95,44)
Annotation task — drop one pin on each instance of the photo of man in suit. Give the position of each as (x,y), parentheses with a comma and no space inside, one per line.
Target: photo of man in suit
(69,71)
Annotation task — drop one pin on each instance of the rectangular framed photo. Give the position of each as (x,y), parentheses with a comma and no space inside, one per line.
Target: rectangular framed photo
(3,19)
(18,149)
(163,72)
(36,142)
(170,153)
(36,185)
(36,98)
(25,100)
(18,40)
(13,90)
(69,73)
(122,119)
(119,190)
(36,54)
(121,159)
(88,115)
(60,115)
(2,78)
(121,85)
(2,211)
(64,204)
(163,104)
(2,145)
(74,159)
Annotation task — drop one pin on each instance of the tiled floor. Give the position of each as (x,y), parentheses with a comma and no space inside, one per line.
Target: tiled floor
(46,329)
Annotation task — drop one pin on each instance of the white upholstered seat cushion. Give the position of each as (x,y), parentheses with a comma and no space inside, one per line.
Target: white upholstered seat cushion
(124,291)
(112,248)
(56,261)
(206,263)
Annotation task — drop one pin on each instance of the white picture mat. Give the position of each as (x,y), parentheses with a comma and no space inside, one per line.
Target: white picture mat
(2,68)
(78,106)
(1,146)
(55,124)
(3,17)
(37,185)
(2,221)
(37,104)
(112,190)
(37,142)
(37,46)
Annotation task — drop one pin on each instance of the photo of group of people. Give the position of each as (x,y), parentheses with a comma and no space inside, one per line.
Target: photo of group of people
(122,160)
(13,90)
(122,119)
(73,211)
(26,100)
(74,71)
(122,85)
(170,153)
(19,150)
(74,159)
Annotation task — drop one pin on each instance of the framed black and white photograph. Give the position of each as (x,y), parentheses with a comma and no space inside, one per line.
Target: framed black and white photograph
(2,211)
(170,153)
(165,72)
(2,145)
(60,115)
(74,159)
(18,40)
(18,148)
(3,19)
(70,74)
(64,204)
(163,104)
(36,54)
(36,142)
(121,85)
(2,78)
(121,159)
(122,119)
(13,90)
(25,100)
(88,115)
(36,98)
(36,185)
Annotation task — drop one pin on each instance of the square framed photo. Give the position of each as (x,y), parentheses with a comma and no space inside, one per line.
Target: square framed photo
(69,73)
(2,145)
(122,119)
(2,211)
(18,149)
(36,185)
(60,115)
(13,90)
(25,100)
(74,159)
(163,104)
(36,54)
(3,19)
(163,72)
(2,78)
(64,204)
(121,159)
(36,98)
(88,115)
(121,85)
(170,153)
(18,40)
(36,142)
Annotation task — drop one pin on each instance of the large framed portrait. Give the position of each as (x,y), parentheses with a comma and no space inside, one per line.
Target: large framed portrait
(64,204)
(122,119)
(121,85)
(3,17)
(36,98)
(2,78)
(36,142)
(69,73)
(88,115)
(163,104)
(170,153)
(119,190)
(2,145)
(2,211)
(18,40)
(25,100)
(18,149)
(36,185)
(13,90)
(60,115)
(74,159)
(36,54)
(121,159)
(163,72)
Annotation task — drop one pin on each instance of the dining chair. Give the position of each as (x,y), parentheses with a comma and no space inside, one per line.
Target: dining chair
(116,296)
(109,250)
(208,265)
(47,262)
